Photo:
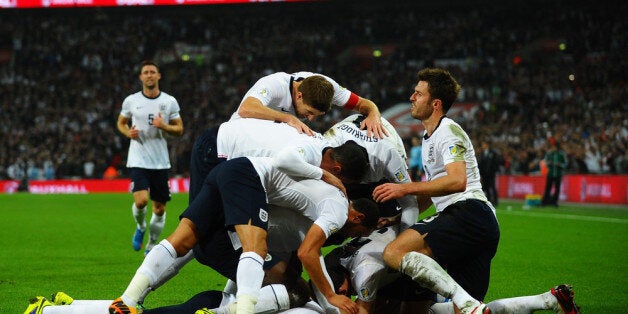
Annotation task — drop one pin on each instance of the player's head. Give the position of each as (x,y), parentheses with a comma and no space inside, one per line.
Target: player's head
(337,273)
(369,211)
(316,94)
(350,161)
(149,74)
(435,87)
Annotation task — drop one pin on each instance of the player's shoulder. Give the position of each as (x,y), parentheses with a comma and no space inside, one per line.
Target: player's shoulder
(167,96)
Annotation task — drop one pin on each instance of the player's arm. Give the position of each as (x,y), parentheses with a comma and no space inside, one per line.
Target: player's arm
(123,127)
(424,202)
(252,107)
(309,254)
(173,127)
(453,182)
(292,162)
(373,121)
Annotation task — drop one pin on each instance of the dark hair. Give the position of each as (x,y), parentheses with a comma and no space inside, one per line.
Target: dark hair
(441,85)
(317,92)
(336,271)
(148,62)
(353,159)
(370,210)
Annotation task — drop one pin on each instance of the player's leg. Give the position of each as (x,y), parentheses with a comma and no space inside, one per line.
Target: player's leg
(205,299)
(250,267)
(447,236)
(139,187)
(203,159)
(196,221)
(159,262)
(409,240)
(245,209)
(160,195)
(559,299)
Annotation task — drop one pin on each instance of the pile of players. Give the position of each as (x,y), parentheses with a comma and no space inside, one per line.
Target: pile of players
(267,193)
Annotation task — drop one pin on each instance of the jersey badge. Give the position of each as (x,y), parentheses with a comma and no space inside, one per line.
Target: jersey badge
(263,215)
(400,176)
(453,150)
(365,293)
(162,107)
(333,228)
(263,93)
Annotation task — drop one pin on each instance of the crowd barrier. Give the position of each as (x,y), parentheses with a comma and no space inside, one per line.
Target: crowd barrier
(604,189)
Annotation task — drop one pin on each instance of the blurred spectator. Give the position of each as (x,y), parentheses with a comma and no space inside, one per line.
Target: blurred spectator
(556,161)
(489,163)
(415,160)
(61,83)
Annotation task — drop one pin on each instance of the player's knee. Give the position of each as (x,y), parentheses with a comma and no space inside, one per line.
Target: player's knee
(159,208)
(392,256)
(141,202)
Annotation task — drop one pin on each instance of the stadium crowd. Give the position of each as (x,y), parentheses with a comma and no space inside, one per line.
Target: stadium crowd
(538,75)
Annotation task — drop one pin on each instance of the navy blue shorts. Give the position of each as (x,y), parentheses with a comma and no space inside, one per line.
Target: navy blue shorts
(464,239)
(156,181)
(203,159)
(232,191)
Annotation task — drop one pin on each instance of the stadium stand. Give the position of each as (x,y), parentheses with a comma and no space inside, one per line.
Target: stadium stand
(539,70)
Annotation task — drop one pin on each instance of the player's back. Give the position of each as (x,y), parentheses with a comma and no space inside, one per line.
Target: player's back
(386,156)
(255,137)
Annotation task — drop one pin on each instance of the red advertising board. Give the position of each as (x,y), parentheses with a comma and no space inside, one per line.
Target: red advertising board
(177,185)
(609,189)
(113,3)
(604,189)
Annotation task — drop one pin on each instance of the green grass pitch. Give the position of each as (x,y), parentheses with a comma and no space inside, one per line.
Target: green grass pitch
(81,244)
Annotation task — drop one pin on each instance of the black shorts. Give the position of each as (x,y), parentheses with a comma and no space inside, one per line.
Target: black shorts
(156,181)
(216,251)
(209,299)
(203,159)
(231,195)
(464,238)
(405,289)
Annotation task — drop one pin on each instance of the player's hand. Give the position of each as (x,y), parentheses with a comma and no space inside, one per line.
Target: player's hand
(300,126)
(343,303)
(389,191)
(386,222)
(373,126)
(134,133)
(333,180)
(158,121)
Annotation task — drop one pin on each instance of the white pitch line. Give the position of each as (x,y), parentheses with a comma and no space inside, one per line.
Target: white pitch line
(564,216)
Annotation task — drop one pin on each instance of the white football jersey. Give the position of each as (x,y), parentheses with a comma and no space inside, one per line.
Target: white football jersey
(264,138)
(275,92)
(319,202)
(150,150)
(450,143)
(386,159)
(366,266)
